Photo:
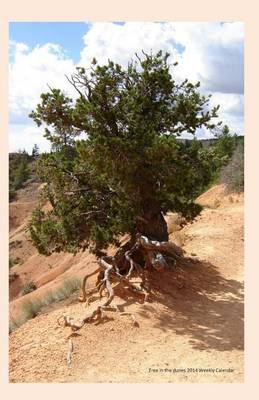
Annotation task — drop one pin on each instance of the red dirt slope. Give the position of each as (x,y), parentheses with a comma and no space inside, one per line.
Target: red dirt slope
(192,333)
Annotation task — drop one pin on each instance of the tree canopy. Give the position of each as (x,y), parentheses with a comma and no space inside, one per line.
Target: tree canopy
(130,168)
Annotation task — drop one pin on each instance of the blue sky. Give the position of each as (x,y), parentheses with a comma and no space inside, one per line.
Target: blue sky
(41,53)
(69,35)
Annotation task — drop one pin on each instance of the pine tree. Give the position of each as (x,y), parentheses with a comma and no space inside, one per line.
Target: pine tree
(129,170)
(35,151)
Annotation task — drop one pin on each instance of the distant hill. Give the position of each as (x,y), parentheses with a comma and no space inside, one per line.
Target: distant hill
(212,141)
(22,165)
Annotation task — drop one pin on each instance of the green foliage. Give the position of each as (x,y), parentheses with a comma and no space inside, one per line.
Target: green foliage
(28,288)
(232,175)
(35,151)
(225,143)
(21,174)
(130,165)
(18,172)
(218,155)
(56,111)
(224,147)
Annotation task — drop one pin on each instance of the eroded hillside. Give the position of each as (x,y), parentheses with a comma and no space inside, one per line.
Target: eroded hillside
(193,319)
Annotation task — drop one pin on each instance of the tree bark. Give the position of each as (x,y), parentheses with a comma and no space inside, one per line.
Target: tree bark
(152,223)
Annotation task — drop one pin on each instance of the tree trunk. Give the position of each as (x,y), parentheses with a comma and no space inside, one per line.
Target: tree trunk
(147,250)
(152,223)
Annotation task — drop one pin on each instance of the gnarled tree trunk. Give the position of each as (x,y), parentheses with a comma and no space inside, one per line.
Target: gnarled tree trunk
(152,223)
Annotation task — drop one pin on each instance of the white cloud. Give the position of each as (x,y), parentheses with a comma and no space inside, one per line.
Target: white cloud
(231,110)
(209,52)
(24,136)
(29,74)
(213,54)
(120,42)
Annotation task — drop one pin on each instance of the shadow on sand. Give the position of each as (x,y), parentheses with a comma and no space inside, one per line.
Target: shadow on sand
(208,308)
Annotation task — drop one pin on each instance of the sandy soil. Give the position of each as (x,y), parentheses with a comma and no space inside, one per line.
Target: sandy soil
(192,333)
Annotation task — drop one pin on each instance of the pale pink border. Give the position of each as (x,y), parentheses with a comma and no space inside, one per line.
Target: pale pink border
(135,10)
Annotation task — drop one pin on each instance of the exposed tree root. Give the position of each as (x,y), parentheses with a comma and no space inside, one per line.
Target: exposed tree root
(70,351)
(154,255)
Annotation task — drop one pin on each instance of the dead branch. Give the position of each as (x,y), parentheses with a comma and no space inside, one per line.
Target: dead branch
(73,83)
(83,297)
(164,247)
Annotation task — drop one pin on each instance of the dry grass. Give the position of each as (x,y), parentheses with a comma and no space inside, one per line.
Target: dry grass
(14,244)
(28,288)
(30,309)
(15,261)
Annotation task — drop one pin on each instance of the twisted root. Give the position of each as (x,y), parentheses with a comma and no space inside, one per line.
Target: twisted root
(155,255)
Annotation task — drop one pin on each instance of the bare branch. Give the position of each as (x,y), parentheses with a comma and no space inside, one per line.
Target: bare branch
(72,82)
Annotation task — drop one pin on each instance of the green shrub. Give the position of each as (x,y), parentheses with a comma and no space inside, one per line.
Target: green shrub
(13,277)
(48,298)
(19,172)
(68,287)
(12,194)
(28,288)
(31,308)
(15,244)
(13,325)
(14,261)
